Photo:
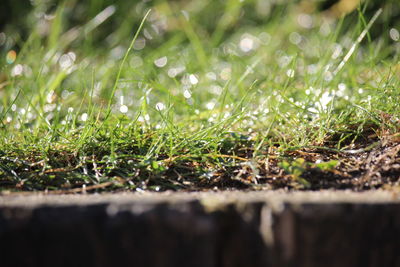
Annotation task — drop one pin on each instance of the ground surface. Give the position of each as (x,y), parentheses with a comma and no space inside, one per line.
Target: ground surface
(362,168)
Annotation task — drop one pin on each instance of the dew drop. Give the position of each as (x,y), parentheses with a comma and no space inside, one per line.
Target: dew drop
(225,73)
(264,38)
(139,44)
(305,20)
(295,38)
(211,76)
(342,87)
(84,117)
(210,105)
(11,56)
(17,70)
(337,51)
(123,109)
(246,44)
(65,61)
(290,73)
(187,94)
(394,34)
(328,76)
(160,106)
(161,62)
(193,79)
(136,61)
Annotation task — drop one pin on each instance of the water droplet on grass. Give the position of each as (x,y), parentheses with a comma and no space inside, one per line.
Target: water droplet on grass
(161,62)
(193,79)
(328,76)
(173,72)
(123,109)
(49,107)
(187,94)
(226,74)
(160,106)
(290,73)
(325,29)
(394,34)
(17,70)
(295,38)
(11,56)
(147,34)
(211,76)
(325,99)
(337,51)
(66,61)
(216,89)
(305,20)
(117,52)
(136,61)
(84,117)
(246,43)
(210,105)
(139,44)
(312,69)
(342,86)
(265,38)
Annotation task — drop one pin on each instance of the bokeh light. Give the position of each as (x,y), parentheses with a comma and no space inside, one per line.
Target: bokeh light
(11,56)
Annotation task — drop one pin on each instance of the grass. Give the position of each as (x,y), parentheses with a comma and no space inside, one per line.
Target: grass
(199,95)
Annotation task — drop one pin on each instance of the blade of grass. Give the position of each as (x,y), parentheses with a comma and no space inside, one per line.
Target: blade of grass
(357,42)
(117,79)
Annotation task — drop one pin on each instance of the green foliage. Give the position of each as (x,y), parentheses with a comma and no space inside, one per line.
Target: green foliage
(95,91)
(296,168)
(326,166)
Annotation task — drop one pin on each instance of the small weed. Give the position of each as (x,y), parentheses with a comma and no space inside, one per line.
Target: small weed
(296,168)
(326,166)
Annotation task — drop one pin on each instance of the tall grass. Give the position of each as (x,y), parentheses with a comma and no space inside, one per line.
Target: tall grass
(199,85)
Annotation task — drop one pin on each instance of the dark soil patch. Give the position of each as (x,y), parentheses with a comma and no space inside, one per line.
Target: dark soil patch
(372,166)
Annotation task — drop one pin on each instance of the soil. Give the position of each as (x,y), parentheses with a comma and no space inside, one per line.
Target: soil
(366,166)
(374,165)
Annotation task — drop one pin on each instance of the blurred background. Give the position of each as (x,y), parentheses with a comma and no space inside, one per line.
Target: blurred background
(57,51)
(218,18)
